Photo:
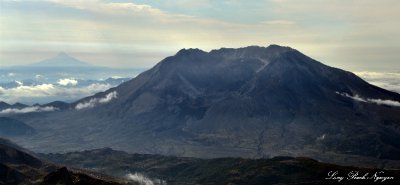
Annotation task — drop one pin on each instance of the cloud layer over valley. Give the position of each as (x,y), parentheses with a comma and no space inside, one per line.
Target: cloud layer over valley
(28,110)
(386,80)
(44,93)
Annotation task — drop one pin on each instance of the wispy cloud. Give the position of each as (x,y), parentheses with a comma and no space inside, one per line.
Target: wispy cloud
(279,23)
(96,101)
(28,110)
(19,83)
(110,7)
(370,100)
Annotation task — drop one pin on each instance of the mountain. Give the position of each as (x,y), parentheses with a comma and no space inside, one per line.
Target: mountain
(19,167)
(61,60)
(245,102)
(12,154)
(176,170)
(4,105)
(67,177)
(11,127)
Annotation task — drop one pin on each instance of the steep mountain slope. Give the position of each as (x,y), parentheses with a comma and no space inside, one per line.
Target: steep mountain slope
(247,102)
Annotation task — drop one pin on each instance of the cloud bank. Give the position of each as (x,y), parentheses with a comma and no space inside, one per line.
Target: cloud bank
(370,100)
(95,101)
(386,80)
(49,92)
(28,110)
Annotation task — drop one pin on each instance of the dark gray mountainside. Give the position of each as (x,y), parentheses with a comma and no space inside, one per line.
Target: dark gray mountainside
(4,105)
(18,166)
(11,127)
(247,102)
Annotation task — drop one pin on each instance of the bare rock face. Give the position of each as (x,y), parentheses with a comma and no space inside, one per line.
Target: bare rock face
(246,102)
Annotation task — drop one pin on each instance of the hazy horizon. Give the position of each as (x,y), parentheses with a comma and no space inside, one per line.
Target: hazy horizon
(351,35)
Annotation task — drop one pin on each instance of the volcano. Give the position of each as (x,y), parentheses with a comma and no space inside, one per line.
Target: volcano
(246,102)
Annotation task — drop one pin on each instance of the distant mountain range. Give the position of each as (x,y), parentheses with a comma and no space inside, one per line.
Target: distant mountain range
(246,102)
(62,66)
(60,78)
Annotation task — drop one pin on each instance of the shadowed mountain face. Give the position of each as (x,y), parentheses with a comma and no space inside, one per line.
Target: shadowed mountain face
(18,166)
(11,127)
(177,171)
(248,102)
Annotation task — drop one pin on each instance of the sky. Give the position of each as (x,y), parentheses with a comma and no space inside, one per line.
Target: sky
(351,34)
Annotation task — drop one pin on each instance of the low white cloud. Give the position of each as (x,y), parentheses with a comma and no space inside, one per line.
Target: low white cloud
(385,102)
(66,81)
(356,97)
(139,178)
(49,91)
(322,137)
(116,77)
(108,97)
(95,101)
(38,76)
(28,110)
(371,100)
(11,74)
(89,104)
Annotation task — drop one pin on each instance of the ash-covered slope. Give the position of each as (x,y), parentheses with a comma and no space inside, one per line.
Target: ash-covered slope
(248,102)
